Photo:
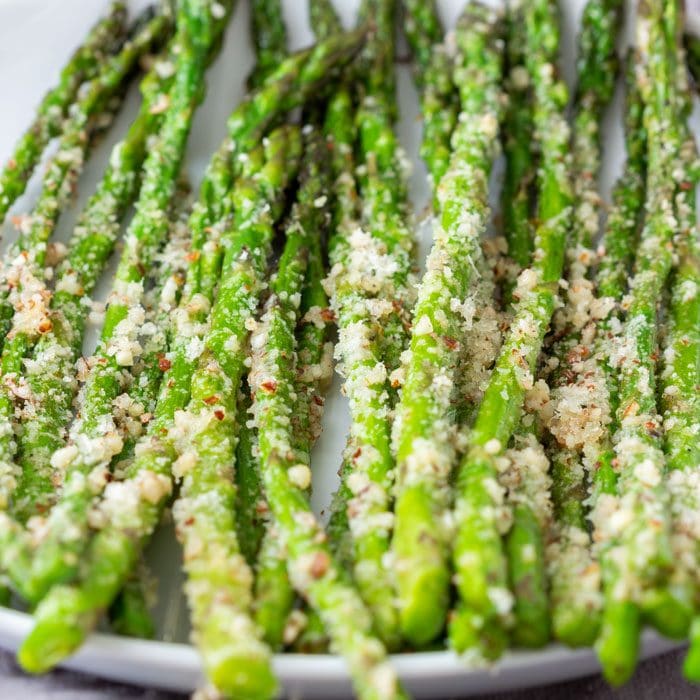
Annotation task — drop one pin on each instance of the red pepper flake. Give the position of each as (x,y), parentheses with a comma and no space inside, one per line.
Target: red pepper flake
(685,186)
(319,565)
(270,386)
(189,521)
(328,315)
(11,164)
(631,409)
(164,364)
(318,400)
(219,414)
(450,342)
(357,453)
(192,256)
(211,400)
(45,326)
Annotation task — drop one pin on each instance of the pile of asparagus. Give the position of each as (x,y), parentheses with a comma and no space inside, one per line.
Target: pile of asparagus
(522,464)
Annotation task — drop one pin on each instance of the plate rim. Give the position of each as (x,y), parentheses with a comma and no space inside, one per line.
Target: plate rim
(176,666)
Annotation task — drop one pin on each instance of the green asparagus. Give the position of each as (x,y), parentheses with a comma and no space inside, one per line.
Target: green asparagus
(149,478)
(371,295)
(29,297)
(521,160)
(478,625)
(286,473)
(579,397)
(424,427)
(269,37)
(636,557)
(433,77)
(274,592)
(102,40)
(93,440)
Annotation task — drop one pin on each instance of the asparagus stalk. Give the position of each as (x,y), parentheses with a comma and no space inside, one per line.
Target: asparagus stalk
(477,627)
(679,378)
(348,300)
(94,441)
(424,426)
(423,31)
(323,19)
(56,352)
(115,549)
(370,293)
(636,558)
(620,234)
(274,592)
(680,405)
(204,510)
(286,473)
(102,39)
(577,577)
(269,38)
(516,198)
(681,414)
(578,385)
(29,297)
(251,507)
(433,76)
(294,81)
(94,109)
(129,613)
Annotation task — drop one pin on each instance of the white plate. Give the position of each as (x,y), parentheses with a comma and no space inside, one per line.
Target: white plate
(35,38)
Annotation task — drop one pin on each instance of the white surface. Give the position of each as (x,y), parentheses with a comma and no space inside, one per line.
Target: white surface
(35,39)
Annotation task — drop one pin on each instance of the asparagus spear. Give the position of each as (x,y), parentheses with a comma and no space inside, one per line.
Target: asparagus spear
(578,386)
(53,358)
(679,377)
(620,234)
(28,298)
(94,109)
(115,548)
(274,592)
(102,39)
(577,576)
(681,412)
(516,198)
(370,285)
(129,613)
(424,424)
(324,19)
(297,78)
(348,301)
(269,38)
(636,558)
(204,509)
(485,602)
(433,77)
(251,507)
(680,406)
(93,439)
(286,474)
(423,31)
